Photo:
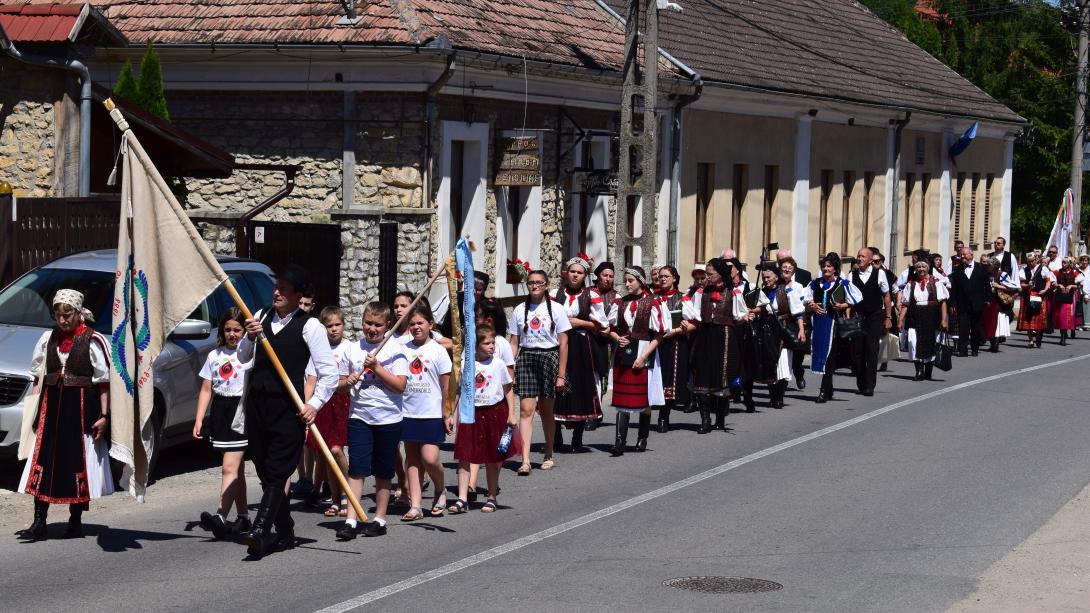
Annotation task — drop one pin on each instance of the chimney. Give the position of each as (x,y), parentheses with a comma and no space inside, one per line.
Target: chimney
(350,17)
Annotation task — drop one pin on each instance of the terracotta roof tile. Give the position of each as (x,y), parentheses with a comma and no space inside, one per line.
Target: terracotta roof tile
(43,23)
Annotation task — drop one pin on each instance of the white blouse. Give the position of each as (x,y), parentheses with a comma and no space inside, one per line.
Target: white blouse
(921,293)
(660,315)
(100,364)
(570,303)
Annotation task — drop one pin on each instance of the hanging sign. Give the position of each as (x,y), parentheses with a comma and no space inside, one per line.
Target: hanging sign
(519,161)
(601,182)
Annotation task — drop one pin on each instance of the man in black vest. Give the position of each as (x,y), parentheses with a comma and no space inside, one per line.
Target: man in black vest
(274,428)
(971,285)
(1007,262)
(877,319)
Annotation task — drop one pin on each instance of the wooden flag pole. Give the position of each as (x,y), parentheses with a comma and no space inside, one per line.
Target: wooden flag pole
(333,466)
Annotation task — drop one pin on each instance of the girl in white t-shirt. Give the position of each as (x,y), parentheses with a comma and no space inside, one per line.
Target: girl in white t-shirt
(478,442)
(425,426)
(539,330)
(225,427)
(489,313)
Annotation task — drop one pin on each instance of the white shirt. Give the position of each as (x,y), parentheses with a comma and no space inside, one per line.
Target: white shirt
(100,365)
(320,354)
(883,280)
(968,269)
(1056,264)
(794,300)
(491,377)
(853,294)
(504,353)
(660,315)
(226,372)
(423,394)
(597,315)
(539,332)
(1085,279)
(1045,273)
(404,338)
(372,402)
(921,294)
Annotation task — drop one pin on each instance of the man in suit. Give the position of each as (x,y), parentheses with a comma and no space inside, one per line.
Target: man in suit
(879,263)
(971,283)
(876,309)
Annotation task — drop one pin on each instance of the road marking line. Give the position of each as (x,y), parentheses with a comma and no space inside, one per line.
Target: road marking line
(537,537)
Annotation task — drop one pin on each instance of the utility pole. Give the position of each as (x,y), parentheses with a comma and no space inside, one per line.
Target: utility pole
(1080,121)
(637,193)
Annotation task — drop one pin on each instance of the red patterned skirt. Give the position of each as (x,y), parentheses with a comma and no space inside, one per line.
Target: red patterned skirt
(332,422)
(1033,321)
(630,388)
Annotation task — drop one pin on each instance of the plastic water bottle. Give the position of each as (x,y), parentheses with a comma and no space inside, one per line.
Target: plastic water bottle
(505,440)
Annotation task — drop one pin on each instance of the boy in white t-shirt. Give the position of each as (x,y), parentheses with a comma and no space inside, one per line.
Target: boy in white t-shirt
(376,384)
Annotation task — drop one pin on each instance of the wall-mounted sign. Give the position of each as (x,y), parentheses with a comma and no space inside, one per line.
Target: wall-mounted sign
(519,161)
(595,182)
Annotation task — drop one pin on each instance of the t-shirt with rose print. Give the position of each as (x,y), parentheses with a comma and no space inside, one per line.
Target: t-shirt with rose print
(226,372)
(423,397)
(534,326)
(491,375)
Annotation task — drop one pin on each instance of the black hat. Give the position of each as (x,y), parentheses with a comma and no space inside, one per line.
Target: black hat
(296,276)
(604,266)
(921,253)
(721,266)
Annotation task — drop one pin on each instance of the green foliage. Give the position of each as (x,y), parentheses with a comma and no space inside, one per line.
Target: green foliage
(150,85)
(1022,53)
(126,84)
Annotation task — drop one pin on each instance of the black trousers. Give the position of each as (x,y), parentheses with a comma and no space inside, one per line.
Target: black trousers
(276,437)
(865,351)
(831,364)
(970,328)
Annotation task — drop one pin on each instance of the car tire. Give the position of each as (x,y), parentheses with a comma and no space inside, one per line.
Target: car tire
(156,438)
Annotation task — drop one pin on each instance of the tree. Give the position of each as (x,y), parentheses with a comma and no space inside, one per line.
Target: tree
(150,86)
(126,86)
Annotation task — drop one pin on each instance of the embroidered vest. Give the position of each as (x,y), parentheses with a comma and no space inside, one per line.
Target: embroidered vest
(716,311)
(641,325)
(77,370)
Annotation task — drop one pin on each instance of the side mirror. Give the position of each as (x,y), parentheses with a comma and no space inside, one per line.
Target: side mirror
(192,329)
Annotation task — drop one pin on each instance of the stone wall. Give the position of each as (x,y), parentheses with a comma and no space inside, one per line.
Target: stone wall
(28,128)
(218,234)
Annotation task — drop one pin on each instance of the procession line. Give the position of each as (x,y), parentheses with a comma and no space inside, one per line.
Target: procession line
(537,537)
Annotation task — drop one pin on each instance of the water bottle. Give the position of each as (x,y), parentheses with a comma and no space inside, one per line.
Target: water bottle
(505,440)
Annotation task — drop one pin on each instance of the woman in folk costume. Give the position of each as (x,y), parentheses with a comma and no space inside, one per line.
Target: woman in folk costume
(827,299)
(715,358)
(581,402)
(999,307)
(1084,294)
(601,344)
(70,462)
(780,318)
(1065,294)
(636,325)
(673,348)
(923,311)
(1036,280)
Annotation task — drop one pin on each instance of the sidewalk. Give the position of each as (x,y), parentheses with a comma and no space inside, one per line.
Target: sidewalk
(1046,573)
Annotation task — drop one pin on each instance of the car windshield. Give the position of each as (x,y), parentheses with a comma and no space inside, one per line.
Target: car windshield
(27,301)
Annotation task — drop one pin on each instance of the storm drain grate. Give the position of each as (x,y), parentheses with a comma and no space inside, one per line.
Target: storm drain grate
(723,585)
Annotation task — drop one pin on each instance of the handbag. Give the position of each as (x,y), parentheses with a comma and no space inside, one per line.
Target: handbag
(850,327)
(944,353)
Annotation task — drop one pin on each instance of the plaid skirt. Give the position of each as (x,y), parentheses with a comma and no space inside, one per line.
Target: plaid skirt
(535,372)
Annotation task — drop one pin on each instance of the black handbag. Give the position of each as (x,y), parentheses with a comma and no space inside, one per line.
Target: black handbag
(944,353)
(850,327)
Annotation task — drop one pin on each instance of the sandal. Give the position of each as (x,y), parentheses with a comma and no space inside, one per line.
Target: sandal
(457,508)
(333,511)
(414,514)
(489,506)
(438,508)
(548,464)
(524,470)
(344,506)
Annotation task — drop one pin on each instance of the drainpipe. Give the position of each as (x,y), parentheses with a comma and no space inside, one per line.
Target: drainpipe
(896,188)
(242,246)
(431,117)
(78,67)
(675,171)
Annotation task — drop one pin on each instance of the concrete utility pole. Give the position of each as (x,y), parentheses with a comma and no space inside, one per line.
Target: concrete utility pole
(1080,121)
(637,193)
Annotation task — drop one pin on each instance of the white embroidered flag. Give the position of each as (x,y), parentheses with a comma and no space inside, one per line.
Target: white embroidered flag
(164,271)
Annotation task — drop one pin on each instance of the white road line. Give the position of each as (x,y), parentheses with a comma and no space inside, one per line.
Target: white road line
(537,537)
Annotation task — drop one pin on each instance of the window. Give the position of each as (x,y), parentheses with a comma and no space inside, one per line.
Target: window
(457,185)
(975,187)
(739,191)
(910,195)
(514,210)
(868,184)
(826,191)
(705,187)
(772,187)
(988,184)
(957,205)
(846,212)
(925,200)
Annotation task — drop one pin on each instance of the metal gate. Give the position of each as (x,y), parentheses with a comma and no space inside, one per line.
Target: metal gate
(34,231)
(315,247)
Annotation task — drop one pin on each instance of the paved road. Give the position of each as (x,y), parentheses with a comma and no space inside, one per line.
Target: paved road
(892,503)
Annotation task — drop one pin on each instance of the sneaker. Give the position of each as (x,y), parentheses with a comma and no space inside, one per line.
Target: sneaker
(214,524)
(346,532)
(373,528)
(241,525)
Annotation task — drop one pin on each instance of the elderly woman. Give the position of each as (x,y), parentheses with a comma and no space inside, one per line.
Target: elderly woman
(828,299)
(1065,294)
(70,463)
(999,308)
(1036,280)
(923,314)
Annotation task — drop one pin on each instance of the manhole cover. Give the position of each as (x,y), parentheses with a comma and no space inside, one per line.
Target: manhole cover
(723,585)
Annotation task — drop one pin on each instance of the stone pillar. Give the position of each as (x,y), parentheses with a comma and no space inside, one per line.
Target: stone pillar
(359,265)
(1008,176)
(946,195)
(886,229)
(800,231)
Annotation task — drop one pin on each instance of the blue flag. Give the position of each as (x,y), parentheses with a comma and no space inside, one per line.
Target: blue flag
(464,262)
(963,143)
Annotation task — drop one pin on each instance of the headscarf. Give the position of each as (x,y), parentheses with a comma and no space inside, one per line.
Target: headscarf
(69,297)
(638,274)
(722,267)
(580,261)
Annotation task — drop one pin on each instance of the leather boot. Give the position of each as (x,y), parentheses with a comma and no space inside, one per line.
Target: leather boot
(285,527)
(75,522)
(1063,337)
(994,346)
(621,440)
(664,418)
(747,398)
(722,406)
(261,538)
(558,438)
(37,530)
(642,432)
(919,371)
(927,370)
(704,406)
(577,437)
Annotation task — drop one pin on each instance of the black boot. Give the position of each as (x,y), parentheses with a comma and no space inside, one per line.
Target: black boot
(642,432)
(927,370)
(75,522)
(994,345)
(826,392)
(704,406)
(722,407)
(285,528)
(621,440)
(664,418)
(919,371)
(261,539)
(577,437)
(1063,337)
(558,439)
(776,392)
(37,530)
(747,398)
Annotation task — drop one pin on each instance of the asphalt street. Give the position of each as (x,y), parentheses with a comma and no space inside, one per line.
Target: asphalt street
(897,502)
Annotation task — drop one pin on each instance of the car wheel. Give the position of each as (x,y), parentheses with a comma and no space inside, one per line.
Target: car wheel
(156,438)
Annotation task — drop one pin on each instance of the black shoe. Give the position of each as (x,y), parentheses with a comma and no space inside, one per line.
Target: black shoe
(822,398)
(213,523)
(346,532)
(994,347)
(664,421)
(37,530)
(618,448)
(373,528)
(75,528)
(576,442)
(750,406)
(592,425)
(641,445)
(883,367)
(974,352)
(705,417)
(867,392)
(261,539)
(721,418)
(800,383)
(241,525)
(285,539)
(927,370)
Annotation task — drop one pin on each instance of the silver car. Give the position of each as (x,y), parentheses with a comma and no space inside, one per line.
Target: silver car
(25,312)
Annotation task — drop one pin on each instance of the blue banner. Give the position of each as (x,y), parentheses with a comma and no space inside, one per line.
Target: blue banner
(464,263)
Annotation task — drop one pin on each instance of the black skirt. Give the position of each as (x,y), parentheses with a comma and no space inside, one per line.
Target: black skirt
(716,359)
(58,472)
(674,353)
(924,319)
(580,400)
(221,436)
(766,345)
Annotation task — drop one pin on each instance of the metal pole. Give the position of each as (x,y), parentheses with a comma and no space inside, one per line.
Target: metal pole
(1080,121)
